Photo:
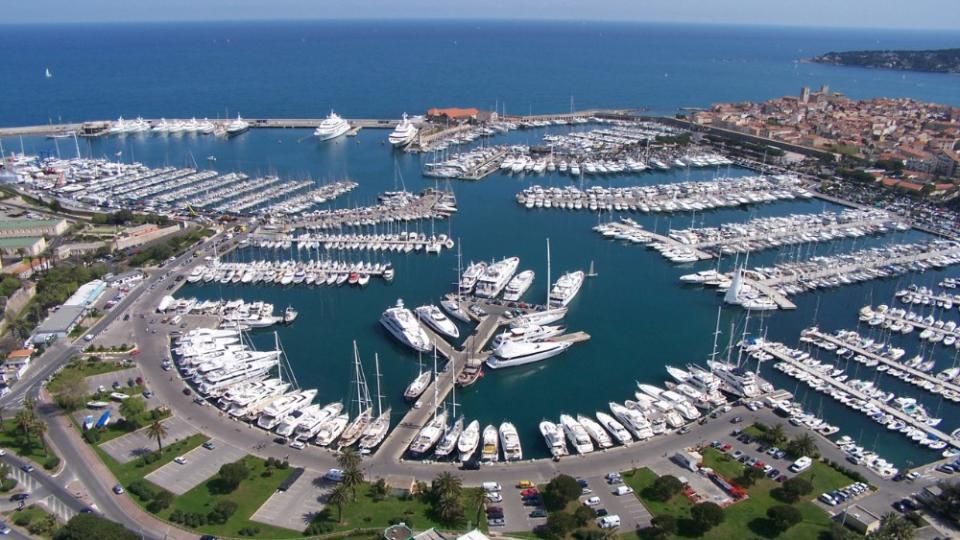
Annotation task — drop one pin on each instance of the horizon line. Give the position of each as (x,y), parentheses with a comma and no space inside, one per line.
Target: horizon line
(625,22)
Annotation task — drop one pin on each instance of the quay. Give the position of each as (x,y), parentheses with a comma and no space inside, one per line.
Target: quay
(470,355)
(486,168)
(674,244)
(776,350)
(918,323)
(782,301)
(919,377)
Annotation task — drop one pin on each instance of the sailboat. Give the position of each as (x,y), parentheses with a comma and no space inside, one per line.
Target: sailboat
(416,388)
(48,74)
(355,429)
(430,434)
(592,272)
(377,430)
(453,305)
(452,434)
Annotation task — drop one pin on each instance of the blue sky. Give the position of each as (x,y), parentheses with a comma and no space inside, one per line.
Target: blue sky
(915,14)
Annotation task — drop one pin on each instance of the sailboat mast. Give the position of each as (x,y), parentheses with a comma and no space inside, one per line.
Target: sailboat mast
(376,361)
(716,334)
(435,381)
(356,376)
(548,273)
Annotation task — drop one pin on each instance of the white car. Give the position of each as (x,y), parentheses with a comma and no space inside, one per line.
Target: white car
(181,460)
(494,497)
(592,501)
(297,445)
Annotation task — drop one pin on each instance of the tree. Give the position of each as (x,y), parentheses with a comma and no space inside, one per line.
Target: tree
(784,516)
(559,491)
(803,445)
(352,478)
(776,435)
(24,421)
(157,431)
(893,527)
(583,515)
(132,409)
(948,502)
(665,487)
(38,428)
(72,390)
(447,503)
(232,474)
(338,497)
(379,490)
(477,500)
(560,523)
(665,523)
(749,477)
(793,489)
(707,515)
(92,527)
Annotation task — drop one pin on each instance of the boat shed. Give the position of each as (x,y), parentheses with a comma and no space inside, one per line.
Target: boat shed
(59,324)
(87,294)
(859,519)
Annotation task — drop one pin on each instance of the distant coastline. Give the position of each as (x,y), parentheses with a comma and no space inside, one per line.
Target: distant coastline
(931,61)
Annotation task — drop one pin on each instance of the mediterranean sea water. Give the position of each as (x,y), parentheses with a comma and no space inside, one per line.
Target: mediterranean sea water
(639,316)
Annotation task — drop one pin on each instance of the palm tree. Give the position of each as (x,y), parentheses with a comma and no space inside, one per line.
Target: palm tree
(446,485)
(804,445)
(158,431)
(24,421)
(4,472)
(39,427)
(338,497)
(2,410)
(348,458)
(352,477)
(895,526)
(477,499)
(777,434)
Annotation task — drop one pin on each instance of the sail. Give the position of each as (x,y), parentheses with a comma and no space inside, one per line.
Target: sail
(733,293)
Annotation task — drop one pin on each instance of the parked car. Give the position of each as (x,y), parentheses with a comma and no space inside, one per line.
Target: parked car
(118,489)
(538,513)
(209,445)
(592,501)
(181,460)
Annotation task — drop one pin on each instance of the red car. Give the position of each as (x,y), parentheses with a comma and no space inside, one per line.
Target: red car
(529,492)
(759,464)
(725,448)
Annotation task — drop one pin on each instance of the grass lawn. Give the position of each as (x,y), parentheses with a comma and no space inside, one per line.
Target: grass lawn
(366,512)
(249,496)
(137,469)
(747,518)
(754,431)
(85,368)
(35,520)
(12,438)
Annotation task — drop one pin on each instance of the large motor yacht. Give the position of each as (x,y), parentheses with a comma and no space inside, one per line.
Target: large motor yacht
(434,318)
(495,277)
(400,322)
(332,127)
(566,289)
(517,353)
(518,285)
(510,442)
(404,133)
(553,436)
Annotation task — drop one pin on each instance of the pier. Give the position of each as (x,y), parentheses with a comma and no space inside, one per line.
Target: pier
(776,350)
(485,168)
(471,354)
(916,322)
(782,301)
(918,377)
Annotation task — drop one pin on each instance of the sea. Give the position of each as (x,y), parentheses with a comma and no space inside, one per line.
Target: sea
(640,318)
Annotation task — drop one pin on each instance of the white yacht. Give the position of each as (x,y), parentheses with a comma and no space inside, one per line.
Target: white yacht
(517,353)
(451,437)
(633,420)
(596,431)
(238,126)
(495,277)
(289,424)
(434,318)
(310,425)
(566,289)
(528,333)
(400,322)
(375,431)
(615,428)
(430,435)
(331,127)
(518,285)
(453,307)
(469,440)
(576,434)
(737,381)
(332,429)
(553,436)
(469,279)
(539,317)
(278,410)
(510,442)
(490,452)
(415,389)
(404,133)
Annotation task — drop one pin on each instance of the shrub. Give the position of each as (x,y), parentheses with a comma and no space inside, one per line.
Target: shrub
(559,524)
(92,436)
(22,519)
(142,489)
(707,515)
(222,511)
(162,500)
(254,531)
(665,487)
(7,484)
(749,477)
(231,474)
(51,463)
(784,516)
(583,515)
(559,491)
(792,490)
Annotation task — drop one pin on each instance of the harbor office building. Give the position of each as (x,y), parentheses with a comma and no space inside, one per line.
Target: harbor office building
(61,322)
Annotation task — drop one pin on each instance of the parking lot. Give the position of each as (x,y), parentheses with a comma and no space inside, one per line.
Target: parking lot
(516,515)
(201,464)
(128,447)
(106,380)
(633,515)
(295,507)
